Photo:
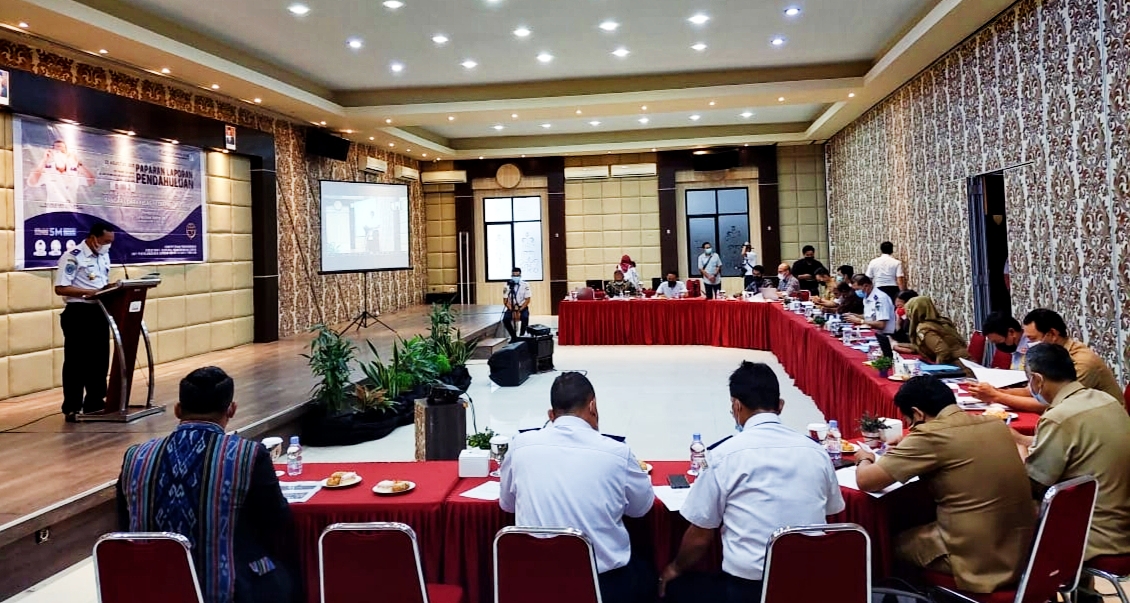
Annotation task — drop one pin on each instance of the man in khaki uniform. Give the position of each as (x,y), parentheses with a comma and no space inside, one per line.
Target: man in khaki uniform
(1083,432)
(1043,326)
(986,516)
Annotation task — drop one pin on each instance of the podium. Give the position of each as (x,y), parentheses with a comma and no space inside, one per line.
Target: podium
(123,305)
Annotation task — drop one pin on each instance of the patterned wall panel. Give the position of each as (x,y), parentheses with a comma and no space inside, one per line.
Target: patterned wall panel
(802,201)
(443,260)
(1042,92)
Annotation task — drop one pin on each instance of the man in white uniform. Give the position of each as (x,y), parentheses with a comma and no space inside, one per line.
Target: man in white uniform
(710,267)
(764,478)
(878,309)
(516,298)
(672,288)
(568,475)
(61,173)
(83,271)
(886,272)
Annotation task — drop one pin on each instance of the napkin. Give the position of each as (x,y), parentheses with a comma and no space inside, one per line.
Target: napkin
(485,491)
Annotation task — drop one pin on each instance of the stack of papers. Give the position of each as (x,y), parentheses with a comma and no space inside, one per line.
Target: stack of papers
(846,477)
(485,491)
(299,492)
(671,498)
(995,377)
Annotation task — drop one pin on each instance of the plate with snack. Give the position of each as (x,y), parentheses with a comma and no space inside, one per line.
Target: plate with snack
(848,448)
(645,466)
(341,479)
(393,487)
(1003,415)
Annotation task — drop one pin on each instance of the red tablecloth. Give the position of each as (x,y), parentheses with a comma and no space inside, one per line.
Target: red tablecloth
(470,526)
(728,324)
(422,509)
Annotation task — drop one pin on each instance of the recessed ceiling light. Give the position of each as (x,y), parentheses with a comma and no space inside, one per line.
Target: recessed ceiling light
(298,9)
(348,131)
(499,127)
(643,108)
(22,25)
(621,52)
(780,99)
(322,122)
(547,126)
(131,133)
(391,144)
(425,154)
(695,117)
(165,70)
(450,118)
(578,111)
(355,43)
(215,86)
(522,32)
(480,157)
(778,41)
(609,25)
(851,95)
(469,64)
(257,100)
(653,150)
(699,19)
(174,141)
(545,57)
(644,120)
(699,47)
(388,120)
(103,51)
(747,114)
(711,103)
(396,67)
(439,39)
(523,154)
(393,4)
(700,152)
(792,11)
(408,150)
(513,116)
(372,138)
(594,123)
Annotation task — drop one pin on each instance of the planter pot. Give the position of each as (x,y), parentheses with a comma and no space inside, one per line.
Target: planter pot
(884,373)
(321,429)
(459,377)
(871,439)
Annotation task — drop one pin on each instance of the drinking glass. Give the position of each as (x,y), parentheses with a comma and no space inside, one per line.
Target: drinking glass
(499,444)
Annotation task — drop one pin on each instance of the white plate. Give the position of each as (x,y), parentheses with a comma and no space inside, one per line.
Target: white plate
(850,448)
(345,483)
(379,491)
(647,467)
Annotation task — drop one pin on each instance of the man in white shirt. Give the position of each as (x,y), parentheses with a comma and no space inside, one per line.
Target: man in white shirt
(764,478)
(672,288)
(516,298)
(886,272)
(710,267)
(878,309)
(568,475)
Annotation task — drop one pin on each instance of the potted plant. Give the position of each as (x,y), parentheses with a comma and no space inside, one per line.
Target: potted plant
(481,440)
(329,359)
(819,320)
(871,426)
(883,365)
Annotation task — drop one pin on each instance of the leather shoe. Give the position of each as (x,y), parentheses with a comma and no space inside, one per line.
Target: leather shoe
(70,417)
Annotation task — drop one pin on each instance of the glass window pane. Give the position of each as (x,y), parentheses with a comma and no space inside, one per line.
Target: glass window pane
(500,252)
(527,249)
(527,208)
(733,230)
(733,201)
(699,231)
(497,209)
(700,202)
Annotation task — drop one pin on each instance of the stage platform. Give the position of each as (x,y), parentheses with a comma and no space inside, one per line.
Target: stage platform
(56,478)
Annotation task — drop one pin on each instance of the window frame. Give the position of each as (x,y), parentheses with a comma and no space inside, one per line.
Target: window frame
(513,240)
(692,255)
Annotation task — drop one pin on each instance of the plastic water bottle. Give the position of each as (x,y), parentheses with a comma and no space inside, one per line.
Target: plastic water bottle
(294,457)
(832,442)
(698,455)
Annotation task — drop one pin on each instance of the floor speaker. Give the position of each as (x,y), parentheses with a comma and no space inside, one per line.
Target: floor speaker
(511,365)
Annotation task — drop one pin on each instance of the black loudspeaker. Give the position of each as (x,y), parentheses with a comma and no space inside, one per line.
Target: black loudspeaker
(512,365)
(322,144)
(538,331)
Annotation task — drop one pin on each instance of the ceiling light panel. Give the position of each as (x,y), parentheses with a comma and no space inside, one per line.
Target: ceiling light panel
(396,67)
(792,11)
(545,57)
(522,32)
(621,52)
(609,25)
(469,64)
(699,47)
(699,19)
(392,4)
(440,39)
(298,9)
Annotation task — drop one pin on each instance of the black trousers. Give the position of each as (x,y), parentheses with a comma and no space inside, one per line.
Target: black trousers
(508,321)
(711,290)
(712,588)
(86,357)
(891,291)
(634,583)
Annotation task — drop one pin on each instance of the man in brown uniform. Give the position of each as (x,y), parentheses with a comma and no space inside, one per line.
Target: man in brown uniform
(1083,432)
(986,516)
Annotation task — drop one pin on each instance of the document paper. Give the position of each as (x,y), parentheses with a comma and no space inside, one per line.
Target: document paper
(846,477)
(995,377)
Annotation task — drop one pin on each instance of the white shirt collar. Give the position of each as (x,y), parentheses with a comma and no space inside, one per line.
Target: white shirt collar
(571,422)
(762,418)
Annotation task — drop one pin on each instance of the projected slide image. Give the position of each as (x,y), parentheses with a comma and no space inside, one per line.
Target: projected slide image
(364,226)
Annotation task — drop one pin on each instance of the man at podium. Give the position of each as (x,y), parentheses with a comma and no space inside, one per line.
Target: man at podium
(83,271)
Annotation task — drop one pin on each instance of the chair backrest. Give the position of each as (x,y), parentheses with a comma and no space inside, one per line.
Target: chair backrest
(549,565)
(841,551)
(145,567)
(1061,540)
(359,561)
(694,287)
(1001,360)
(977,345)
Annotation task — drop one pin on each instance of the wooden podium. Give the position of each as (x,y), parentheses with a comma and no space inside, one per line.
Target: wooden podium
(123,304)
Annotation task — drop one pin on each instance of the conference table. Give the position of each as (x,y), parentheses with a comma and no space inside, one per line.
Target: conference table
(456,533)
(834,375)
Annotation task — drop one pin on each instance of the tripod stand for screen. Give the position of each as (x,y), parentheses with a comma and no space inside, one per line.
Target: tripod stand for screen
(366,319)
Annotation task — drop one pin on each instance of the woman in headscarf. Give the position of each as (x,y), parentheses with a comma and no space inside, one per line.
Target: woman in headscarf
(619,286)
(933,336)
(628,267)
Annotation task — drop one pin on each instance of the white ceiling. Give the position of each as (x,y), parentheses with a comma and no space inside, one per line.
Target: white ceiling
(656,32)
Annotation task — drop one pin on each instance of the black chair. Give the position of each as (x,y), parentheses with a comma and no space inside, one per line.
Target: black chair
(655,282)
(595,284)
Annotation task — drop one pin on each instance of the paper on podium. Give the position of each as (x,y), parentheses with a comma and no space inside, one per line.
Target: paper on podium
(846,477)
(672,498)
(485,491)
(995,377)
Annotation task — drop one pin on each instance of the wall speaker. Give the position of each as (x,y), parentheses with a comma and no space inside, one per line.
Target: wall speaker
(320,143)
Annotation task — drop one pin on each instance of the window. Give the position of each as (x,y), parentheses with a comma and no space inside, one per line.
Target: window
(513,237)
(719,216)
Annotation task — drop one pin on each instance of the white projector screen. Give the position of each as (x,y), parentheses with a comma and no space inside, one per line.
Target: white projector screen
(364,227)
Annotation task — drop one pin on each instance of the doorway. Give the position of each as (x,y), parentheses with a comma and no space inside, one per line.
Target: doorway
(988,223)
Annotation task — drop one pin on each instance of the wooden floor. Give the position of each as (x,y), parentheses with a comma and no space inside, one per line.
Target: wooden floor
(46,463)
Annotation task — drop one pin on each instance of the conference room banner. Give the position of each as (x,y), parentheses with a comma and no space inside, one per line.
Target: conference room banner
(68,177)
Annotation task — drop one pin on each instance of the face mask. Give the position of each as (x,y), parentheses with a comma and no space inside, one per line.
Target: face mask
(1034,343)
(860,294)
(1006,348)
(515,279)
(1036,394)
(104,249)
(738,427)
(671,283)
(708,251)
(839,278)
(782,275)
